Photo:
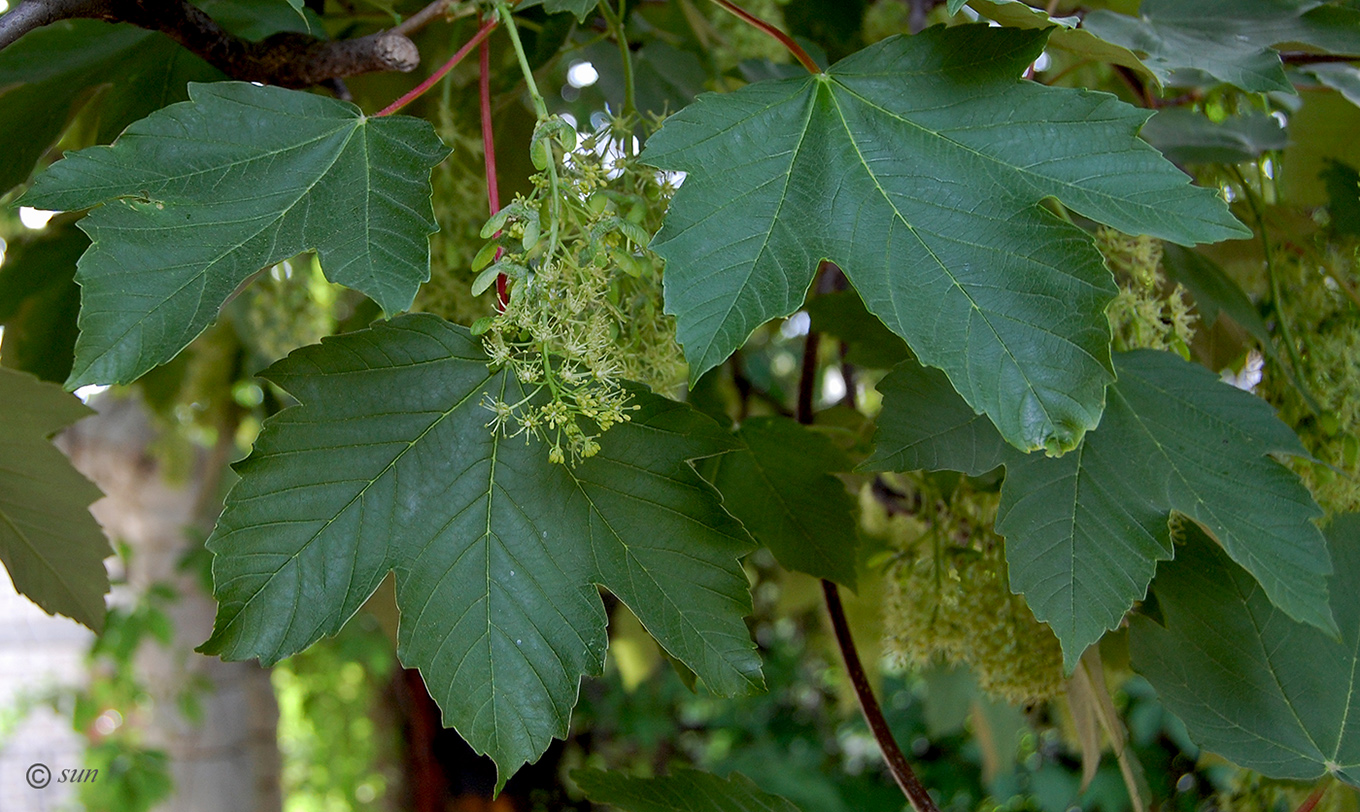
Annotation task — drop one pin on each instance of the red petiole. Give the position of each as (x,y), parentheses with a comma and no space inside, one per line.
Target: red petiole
(493,195)
(785,39)
(419,90)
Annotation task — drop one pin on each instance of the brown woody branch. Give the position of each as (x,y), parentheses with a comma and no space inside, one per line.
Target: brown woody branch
(285,59)
(1304,58)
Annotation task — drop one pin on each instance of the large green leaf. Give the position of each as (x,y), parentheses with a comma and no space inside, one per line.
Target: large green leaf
(918,165)
(1084,532)
(50,544)
(781,488)
(1227,40)
(390,464)
(39,301)
(1250,684)
(199,196)
(684,790)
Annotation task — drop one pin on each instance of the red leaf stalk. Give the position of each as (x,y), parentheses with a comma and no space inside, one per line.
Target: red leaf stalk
(419,90)
(493,194)
(785,39)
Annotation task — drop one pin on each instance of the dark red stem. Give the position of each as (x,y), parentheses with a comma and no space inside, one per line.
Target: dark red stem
(827,274)
(493,193)
(873,714)
(794,48)
(419,90)
(1312,800)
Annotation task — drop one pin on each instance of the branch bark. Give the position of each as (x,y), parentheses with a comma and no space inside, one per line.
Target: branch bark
(285,59)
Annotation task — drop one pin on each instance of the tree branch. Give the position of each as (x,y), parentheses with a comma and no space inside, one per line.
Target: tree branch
(286,59)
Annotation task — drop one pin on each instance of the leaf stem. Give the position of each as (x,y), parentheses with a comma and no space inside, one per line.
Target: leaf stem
(1313,798)
(892,754)
(615,22)
(540,106)
(419,90)
(1276,299)
(897,763)
(541,109)
(787,41)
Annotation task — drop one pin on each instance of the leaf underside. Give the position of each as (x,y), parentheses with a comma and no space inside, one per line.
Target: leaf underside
(51,546)
(390,464)
(1084,532)
(199,196)
(1268,693)
(918,165)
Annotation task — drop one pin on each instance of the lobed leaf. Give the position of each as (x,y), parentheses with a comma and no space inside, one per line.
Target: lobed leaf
(1084,532)
(918,165)
(1269,693)
(197,197)
(391,463)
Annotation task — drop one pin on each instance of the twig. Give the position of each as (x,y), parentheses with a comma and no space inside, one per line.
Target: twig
(433,78)
(1304,58)
(892,754)
(287,59)
(753,20)
(422,18)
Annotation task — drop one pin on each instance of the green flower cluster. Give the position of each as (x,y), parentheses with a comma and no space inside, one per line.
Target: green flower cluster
(1147,313)
(948,598)
(1326,325)
(584,306)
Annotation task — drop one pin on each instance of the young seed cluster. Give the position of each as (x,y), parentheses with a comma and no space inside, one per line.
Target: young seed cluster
(1148,313)
(584,310)
(1327,327)
(948,597)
